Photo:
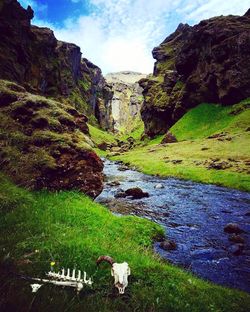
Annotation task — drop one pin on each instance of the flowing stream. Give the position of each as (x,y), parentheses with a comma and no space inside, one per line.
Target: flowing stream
(194,216)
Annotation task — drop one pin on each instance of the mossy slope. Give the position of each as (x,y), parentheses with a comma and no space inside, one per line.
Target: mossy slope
(45,143)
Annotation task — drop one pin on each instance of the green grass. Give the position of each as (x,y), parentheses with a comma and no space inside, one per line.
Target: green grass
(99,136)
(195,150)
(136,130)
(72,230)
(207,119)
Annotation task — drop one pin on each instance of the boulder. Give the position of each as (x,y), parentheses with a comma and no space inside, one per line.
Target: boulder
(169,138)
(136,193)
(236,239)
(114,183)
(120,195)
(159,186)
(168,245)
(123,168)
(233,228)
(219,165)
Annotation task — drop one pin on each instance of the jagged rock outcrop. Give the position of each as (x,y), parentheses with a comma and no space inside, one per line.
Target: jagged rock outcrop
(34,58)
(127,98)
(209,62)
(45,143)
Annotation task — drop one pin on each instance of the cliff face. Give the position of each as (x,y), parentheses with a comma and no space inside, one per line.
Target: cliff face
(33,57)
(208,62)
(127,98)
(44,142)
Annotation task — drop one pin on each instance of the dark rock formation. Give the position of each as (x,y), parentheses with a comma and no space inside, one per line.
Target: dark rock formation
(236,239)
(168,245)
(233,228)
(34,58)
(169,138)
(45,144)
(136,193)
(208,62)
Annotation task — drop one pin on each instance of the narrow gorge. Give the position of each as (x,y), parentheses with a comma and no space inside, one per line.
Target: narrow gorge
(151,169)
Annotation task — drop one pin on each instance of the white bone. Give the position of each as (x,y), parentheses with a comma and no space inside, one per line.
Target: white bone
(68,274)
(35,287)
(79,275)
(62,280)
(74,274)
(120,271)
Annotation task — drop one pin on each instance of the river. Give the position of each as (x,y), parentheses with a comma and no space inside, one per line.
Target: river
(194,216)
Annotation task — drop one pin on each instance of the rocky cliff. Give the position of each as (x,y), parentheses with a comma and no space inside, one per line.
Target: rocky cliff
(209,62)
(47,91)
(127,98)
(34,58)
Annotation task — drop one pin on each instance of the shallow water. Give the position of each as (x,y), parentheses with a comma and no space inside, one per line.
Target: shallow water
(194,216)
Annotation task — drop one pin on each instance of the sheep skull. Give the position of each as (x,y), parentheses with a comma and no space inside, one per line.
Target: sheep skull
(120,271)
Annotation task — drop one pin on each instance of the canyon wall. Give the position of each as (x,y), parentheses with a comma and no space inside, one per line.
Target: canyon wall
(208,62)
(34,58)
(127,99)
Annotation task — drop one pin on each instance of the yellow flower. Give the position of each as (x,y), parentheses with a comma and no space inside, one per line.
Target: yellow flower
(52,263)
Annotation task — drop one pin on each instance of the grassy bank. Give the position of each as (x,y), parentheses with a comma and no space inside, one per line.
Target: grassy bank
(195,155)
(72,230)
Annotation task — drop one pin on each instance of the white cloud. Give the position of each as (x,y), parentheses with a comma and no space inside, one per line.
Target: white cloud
(197,10)
(120,34)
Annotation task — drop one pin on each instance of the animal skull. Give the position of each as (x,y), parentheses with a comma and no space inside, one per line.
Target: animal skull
(120,272)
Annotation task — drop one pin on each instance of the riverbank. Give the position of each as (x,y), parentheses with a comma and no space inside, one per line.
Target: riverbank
(212,147)
(193,215)
(72,230)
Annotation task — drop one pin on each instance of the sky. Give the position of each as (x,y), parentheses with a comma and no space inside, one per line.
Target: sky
(119,35)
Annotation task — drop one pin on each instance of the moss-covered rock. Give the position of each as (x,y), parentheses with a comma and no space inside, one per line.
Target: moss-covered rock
(34,58)
(45,143)
(208,62)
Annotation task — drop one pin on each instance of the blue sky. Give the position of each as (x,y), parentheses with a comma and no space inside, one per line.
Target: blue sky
(120,34)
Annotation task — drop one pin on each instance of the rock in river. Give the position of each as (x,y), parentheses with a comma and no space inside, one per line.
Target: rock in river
(136,193)
(168,245)
(232,228)
(236,239)
(159,186)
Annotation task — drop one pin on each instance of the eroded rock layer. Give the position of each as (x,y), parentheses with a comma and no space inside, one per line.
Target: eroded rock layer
(209,62)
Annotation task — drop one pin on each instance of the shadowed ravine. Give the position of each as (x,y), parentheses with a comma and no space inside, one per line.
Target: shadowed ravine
(194,216)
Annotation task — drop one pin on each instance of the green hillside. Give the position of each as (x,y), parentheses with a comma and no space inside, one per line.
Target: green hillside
(212,147)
